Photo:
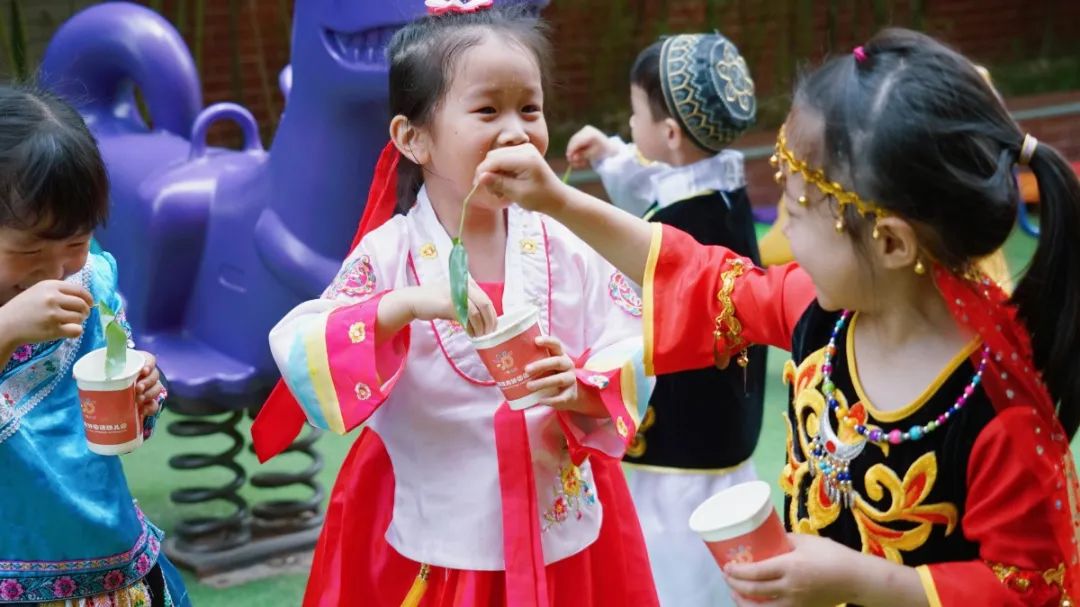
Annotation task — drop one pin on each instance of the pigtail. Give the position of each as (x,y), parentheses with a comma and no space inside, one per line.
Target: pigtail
(1048,297)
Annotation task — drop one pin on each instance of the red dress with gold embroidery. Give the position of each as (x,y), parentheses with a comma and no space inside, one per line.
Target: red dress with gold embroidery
(985,507)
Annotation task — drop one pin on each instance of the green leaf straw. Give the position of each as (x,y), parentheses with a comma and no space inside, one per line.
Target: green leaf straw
(459,269)
(115,341)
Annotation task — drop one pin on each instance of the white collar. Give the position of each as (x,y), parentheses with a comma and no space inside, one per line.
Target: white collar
(720,173)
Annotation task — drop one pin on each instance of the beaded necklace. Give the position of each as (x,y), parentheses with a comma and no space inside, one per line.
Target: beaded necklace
(832,457)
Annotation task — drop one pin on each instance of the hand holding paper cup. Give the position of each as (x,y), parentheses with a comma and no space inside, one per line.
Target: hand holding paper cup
(508,350)
(106,382)
(512,346)
(739,524)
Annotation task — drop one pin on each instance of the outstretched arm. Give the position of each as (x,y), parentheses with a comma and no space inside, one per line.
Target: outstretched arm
(520,174)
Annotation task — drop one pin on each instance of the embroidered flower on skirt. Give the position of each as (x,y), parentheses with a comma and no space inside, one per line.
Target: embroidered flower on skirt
(571,495)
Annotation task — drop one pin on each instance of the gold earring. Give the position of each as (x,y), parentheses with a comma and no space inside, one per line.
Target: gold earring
(920,269)
(774,161)
(840,225)
(779,176)
(876,234)
(803,201)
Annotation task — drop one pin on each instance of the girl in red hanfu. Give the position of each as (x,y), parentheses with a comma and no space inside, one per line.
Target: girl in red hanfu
(930,416)
(449,497)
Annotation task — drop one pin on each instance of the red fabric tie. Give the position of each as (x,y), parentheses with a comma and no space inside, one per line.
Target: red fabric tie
(281,418)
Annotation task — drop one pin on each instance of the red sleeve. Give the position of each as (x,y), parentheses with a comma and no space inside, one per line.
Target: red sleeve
(1008,514)
(705,303)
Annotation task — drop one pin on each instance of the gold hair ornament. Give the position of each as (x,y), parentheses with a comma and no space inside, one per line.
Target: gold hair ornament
(784,157)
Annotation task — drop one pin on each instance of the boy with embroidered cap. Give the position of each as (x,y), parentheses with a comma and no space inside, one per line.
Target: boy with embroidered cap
(691,96)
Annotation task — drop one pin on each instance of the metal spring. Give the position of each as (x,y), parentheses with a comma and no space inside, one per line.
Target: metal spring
(288,515)
(212,533)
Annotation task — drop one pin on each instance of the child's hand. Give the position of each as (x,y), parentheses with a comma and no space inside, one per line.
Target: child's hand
(520,174)
(148,387)
(429,302)
(587,146)
(555,372)
(814,574)
(49,310)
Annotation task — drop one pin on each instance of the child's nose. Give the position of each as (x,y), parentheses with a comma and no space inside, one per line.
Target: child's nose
(513,134)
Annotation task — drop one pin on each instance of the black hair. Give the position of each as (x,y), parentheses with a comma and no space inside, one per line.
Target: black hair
(52,177)
(912,126)
(423,56)
(645,74)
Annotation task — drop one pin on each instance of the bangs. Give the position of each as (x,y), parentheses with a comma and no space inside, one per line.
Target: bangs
(59,189)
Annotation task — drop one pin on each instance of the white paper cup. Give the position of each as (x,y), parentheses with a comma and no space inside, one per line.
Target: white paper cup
(739,524)
(508,350)
(110,410)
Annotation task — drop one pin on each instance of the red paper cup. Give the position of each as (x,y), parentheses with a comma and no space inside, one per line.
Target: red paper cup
(739,525)
(507,352)
(110,411)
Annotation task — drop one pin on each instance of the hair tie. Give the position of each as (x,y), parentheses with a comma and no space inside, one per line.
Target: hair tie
(440,7)
(860,54)
(1027,150)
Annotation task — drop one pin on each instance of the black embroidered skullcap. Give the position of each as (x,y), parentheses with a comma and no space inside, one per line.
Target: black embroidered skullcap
(708,88)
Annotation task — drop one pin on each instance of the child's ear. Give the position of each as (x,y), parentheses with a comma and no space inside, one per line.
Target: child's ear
(896,244)
(673,134)
(411,141)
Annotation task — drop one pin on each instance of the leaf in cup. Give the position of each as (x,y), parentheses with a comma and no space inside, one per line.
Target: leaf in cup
(115,341)
(459,282)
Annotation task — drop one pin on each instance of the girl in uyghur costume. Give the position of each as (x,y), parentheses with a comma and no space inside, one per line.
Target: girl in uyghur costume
(928,457)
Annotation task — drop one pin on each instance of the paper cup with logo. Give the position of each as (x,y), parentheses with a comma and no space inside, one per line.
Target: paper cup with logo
(740,525)
(110,410)
(508,350)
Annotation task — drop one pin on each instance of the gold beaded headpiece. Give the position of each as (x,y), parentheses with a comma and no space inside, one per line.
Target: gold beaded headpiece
(784,157)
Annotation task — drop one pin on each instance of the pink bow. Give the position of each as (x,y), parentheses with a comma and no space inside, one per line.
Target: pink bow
(439,7)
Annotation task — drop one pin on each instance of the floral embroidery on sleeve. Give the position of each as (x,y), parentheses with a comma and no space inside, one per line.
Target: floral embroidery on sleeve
(355,280)
(623,294)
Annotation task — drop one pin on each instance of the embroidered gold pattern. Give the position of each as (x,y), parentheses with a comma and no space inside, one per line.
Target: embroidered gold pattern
(428,251)
(639,444)
(905,498)
(528,246)
(728,328)
(357,332)
(904,525)
(620,427)
(1021,579)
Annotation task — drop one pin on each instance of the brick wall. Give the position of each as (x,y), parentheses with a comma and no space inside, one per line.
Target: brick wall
(245,47)
(245,43)
(597,40)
